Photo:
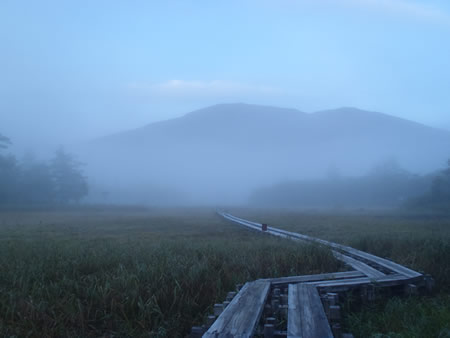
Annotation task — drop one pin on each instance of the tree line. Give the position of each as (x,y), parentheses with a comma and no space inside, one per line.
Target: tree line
(438,196)
(386,185)
(58,181)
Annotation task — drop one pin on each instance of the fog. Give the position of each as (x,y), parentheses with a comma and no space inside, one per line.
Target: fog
(225,104)
(223,153)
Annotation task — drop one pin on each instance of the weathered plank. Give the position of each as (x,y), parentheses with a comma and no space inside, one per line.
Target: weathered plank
(252,225)
(306,316)
(392,266)
(241,316)
(389,280)
(318,277)
(397,268)
(358,265)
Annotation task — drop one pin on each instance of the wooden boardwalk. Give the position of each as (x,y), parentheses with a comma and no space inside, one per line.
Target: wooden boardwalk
(306,316)
(242,315)
(308,304)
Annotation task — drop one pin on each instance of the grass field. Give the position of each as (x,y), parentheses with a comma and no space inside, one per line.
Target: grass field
(157,272)
(131,272)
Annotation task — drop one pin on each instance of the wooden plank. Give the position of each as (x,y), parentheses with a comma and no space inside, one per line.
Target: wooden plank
(241,316)
(318,277)
(294,324)
(389,280)
(358,265)
(397,268)
(251,225)
(306,316)
(392,266)
(383,262)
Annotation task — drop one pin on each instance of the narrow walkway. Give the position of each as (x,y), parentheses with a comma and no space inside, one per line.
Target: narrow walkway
(308,303)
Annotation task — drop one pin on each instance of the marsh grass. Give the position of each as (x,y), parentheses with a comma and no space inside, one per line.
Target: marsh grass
(131,272)
(126,272)
(407,317)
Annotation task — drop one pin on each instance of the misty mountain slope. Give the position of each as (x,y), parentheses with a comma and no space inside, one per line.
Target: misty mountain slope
(375,135)
(353,121)
(220,124)
(229,149)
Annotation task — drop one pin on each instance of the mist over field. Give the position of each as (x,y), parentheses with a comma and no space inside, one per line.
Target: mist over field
(242,154)
(223,153)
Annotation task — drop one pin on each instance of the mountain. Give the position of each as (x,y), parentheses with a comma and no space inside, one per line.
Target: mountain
(222,152)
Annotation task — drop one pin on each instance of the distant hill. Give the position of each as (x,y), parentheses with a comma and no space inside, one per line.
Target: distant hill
(222,152)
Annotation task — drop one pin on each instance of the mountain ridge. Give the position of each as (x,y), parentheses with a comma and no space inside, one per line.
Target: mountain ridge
(229,108)
(241,147)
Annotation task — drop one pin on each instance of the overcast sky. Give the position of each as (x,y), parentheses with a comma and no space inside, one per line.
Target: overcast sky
(74,70)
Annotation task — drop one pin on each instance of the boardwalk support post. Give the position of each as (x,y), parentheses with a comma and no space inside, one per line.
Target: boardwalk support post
(196,332)
(336,329)
(270,320)
(218,308)
(429,283)
(211,319)
(230,296)
(269,330)
(335,313)
(411,289)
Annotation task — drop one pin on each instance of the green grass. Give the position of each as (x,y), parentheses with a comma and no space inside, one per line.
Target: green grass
(131,272)
(407,317)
